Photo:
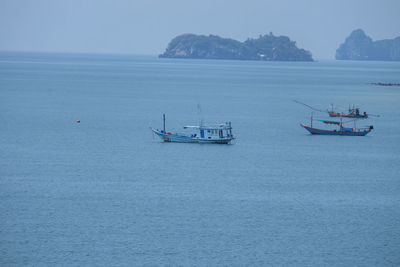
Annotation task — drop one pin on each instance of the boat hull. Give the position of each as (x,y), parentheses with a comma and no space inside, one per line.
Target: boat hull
(335,132)
(176,138)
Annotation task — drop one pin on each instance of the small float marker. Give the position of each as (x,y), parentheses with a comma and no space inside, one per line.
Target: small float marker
(78,121)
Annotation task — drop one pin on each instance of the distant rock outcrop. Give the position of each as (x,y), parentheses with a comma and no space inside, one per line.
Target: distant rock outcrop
(266,47)
(386,84)
(359,46)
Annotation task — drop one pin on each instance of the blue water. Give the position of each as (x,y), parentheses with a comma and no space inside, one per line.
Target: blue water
(105,192)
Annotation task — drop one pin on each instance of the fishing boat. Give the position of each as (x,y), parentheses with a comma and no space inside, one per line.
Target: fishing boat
(344,131)
(353,113)
(211,134)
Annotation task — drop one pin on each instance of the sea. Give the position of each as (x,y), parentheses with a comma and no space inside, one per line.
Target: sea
(84,182)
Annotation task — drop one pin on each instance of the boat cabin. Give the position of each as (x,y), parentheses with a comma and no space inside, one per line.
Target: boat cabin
(213,132)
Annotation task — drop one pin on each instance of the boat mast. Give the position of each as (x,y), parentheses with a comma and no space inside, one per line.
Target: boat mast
(311,118)
(164,122)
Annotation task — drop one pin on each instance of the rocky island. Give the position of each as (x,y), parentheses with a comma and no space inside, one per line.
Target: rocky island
(359,46)
(266,47)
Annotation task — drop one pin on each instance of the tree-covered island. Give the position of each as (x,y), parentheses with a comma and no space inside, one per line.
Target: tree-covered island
(267,47)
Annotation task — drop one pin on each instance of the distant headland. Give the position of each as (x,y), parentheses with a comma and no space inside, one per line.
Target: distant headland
(359,46)
(265,48)
(386,84)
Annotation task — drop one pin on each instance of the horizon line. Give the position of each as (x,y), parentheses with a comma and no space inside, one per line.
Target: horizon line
(112,54)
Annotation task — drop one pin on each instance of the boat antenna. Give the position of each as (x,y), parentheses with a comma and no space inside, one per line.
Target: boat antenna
(164,122)
(199,109)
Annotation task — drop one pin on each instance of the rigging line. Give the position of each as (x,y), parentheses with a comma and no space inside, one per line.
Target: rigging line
(319,110)
(341,107)
(356,119)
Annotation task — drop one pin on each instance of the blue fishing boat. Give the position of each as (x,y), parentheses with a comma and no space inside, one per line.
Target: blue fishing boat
(344,131)
(211,134)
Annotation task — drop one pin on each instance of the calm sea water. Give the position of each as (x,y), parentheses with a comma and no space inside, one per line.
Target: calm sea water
(105,192)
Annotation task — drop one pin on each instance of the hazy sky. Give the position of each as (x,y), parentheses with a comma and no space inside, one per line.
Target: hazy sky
(146,27)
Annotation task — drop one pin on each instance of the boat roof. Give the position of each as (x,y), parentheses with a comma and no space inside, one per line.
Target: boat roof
(221,126)
(330,122)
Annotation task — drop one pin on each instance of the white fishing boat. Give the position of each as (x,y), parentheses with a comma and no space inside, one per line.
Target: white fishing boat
(211,134)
